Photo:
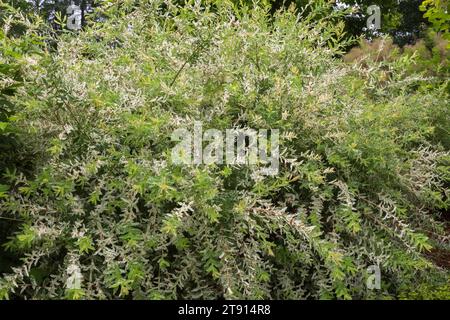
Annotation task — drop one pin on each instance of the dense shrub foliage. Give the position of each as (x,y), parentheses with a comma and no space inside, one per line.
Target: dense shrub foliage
(363,177)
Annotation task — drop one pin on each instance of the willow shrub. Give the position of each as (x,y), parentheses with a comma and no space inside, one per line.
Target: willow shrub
(17,47)
(362,179)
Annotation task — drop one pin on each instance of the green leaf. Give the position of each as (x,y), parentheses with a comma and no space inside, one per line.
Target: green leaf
(85,244)
(3,190)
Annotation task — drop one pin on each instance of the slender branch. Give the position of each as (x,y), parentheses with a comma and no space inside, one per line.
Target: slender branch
(12,219)
(196,50)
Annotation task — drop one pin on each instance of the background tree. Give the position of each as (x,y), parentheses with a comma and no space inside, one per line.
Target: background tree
(49,9)
(401,19)
(437,12)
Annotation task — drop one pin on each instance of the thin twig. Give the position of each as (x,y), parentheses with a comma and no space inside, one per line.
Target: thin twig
(12,219)
(196,50)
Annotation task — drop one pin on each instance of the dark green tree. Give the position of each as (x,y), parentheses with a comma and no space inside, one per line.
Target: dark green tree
(401,19)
